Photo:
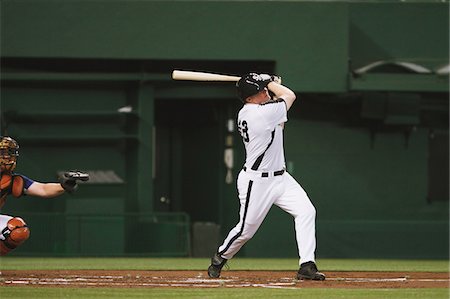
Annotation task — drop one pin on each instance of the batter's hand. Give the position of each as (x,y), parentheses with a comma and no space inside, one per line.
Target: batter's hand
(269,78)
(266,79)
(68,180)
(276,79)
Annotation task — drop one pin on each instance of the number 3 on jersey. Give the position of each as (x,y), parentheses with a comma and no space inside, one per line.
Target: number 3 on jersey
(243,130)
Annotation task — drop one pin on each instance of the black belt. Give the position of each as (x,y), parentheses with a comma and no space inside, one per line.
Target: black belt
(266,174)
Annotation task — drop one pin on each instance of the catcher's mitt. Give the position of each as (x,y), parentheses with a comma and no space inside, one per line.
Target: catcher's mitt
(68,180)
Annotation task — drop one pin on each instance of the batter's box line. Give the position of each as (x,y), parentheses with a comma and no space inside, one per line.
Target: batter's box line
(429,280)
(364,279)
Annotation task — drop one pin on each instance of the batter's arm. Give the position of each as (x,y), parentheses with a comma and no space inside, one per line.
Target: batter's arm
(283,92)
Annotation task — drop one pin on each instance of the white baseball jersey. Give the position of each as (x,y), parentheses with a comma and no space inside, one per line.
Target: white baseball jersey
(261,127)
(263,182)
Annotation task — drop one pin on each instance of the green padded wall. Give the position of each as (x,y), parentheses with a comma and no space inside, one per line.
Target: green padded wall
(307,40)
(416,32)
(370,190)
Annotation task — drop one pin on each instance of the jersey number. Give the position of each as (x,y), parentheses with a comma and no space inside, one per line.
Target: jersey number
(243,130)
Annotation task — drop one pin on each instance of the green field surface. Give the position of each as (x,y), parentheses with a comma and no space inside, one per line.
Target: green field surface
(36,293)
(92,263)
(41,263)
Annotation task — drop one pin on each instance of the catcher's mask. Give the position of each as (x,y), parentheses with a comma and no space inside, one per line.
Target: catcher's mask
(250,85)
(9,151)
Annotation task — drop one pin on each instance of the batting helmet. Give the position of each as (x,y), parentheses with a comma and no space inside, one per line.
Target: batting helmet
(249,85)
(9,151)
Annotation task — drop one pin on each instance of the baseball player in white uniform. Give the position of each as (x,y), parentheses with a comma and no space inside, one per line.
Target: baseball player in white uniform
(263,181)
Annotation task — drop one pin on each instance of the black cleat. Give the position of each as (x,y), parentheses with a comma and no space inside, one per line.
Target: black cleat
(309,271)
(216,266)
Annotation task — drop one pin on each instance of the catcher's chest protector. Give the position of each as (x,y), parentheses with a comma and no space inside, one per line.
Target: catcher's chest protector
(10,184)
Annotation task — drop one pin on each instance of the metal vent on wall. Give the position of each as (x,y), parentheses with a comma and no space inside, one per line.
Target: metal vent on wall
(405,65)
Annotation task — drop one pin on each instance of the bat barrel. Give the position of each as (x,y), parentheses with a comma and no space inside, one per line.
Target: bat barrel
(202,76)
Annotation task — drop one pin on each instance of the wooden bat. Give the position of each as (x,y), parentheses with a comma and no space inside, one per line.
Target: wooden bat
(202,76)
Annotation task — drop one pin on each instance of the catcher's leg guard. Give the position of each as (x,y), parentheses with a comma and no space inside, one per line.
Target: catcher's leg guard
(15,233)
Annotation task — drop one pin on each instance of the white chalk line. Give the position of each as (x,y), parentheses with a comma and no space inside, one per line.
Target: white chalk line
(205,283)
(399,279)
(430,280)
(199,282)
(365,279)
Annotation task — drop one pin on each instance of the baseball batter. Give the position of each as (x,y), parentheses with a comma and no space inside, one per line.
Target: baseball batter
(13,230)
(263,181)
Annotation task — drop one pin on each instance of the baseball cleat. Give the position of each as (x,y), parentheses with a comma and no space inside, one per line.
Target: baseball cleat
(216,266)
(308,271)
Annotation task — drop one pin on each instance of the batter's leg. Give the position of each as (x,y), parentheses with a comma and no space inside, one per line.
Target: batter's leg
(296,202)
(256,198)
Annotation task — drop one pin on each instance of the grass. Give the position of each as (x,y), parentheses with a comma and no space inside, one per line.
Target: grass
(36,263)
(97,293)
(92,263)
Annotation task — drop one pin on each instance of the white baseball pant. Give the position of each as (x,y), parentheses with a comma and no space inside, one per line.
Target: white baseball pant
(257,194)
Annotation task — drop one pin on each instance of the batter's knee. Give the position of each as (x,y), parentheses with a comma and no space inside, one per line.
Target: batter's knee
(312,211)
(15,233)
(308,212)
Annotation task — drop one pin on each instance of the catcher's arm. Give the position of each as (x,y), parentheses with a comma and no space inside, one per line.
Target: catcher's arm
(46,190)
(67,182)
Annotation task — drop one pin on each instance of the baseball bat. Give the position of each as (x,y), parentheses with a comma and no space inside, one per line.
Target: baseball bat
(202,76)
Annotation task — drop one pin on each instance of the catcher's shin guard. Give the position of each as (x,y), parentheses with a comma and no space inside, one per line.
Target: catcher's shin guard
(16,232)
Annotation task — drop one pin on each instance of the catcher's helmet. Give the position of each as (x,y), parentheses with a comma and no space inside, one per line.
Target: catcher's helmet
(9,151)
(249,85)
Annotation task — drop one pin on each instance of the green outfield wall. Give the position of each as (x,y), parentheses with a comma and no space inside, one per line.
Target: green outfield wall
(87,85)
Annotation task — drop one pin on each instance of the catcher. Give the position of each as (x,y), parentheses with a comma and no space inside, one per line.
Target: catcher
(13,230)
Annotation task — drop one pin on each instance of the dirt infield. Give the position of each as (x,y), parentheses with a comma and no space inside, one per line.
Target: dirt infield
(231,279)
